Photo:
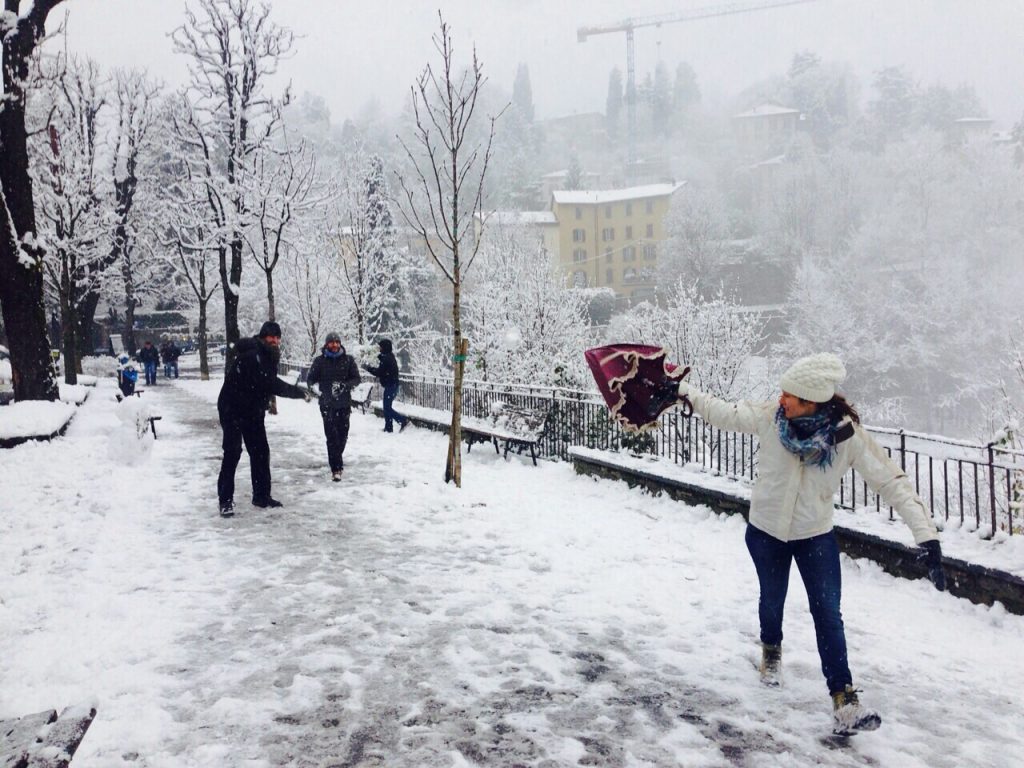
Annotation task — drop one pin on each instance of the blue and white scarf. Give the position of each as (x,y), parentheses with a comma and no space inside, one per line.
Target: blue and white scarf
(812,438)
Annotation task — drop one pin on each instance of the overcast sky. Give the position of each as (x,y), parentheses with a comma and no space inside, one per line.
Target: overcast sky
(350,52)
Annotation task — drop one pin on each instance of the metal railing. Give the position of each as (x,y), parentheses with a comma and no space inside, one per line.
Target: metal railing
(979,486)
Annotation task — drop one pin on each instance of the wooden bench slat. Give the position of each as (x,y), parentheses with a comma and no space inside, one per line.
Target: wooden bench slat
(44,739)
(62,739)
(18,736)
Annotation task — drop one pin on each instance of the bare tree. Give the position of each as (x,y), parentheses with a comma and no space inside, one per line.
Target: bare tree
(132,140)
(449,175)
(21,273)
(285,186)
(311,293)
(233,49)
(65,165)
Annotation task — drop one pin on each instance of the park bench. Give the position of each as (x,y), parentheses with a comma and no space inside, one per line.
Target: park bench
(361,395)
(520,427)
(45,739)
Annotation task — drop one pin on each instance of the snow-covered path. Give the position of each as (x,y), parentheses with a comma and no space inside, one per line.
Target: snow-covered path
(531,618)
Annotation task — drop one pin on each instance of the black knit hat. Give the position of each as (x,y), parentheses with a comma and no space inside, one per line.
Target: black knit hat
(332,337)
(269,328)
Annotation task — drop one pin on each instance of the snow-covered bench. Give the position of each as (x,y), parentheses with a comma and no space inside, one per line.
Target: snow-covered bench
(518,427)
(45,739)
(361,395)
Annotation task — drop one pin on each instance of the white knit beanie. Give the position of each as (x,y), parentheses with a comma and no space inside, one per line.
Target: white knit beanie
(814,377)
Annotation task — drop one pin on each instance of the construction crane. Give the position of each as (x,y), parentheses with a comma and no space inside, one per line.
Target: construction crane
(628,25)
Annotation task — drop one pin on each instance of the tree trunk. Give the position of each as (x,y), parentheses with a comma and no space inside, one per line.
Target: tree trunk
(21,277)
(129,326)
(68,325)
(204,359)
(230,278)
(86,331)
(270,295)
(453,469)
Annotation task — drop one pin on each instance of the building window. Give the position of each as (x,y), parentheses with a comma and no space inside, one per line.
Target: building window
(629,275)
(608,255)
(579,279)
(579,235)
(579,212)
(649,206)
(607,234)
(650,252)
(579,254)
(629,253)
(629,209)
(649,231)
(629,232)
(607,211)
(609,276)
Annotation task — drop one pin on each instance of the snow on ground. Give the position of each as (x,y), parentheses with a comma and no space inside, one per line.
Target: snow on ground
(533,617)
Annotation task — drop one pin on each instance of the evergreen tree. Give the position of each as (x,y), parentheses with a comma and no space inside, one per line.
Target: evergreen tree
(574,174)
(893,106)
(661,100)
(382,241)
(522,93)
(685,91)
(613,104)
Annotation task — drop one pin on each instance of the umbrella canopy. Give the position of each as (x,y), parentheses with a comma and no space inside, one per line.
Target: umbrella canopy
(637,383)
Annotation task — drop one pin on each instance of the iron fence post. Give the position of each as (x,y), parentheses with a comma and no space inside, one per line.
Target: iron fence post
(992,484)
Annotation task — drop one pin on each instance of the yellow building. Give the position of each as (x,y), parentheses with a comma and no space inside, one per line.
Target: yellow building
(611,238)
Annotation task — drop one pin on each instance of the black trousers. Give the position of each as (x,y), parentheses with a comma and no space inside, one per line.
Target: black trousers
(336,432)
(252,431)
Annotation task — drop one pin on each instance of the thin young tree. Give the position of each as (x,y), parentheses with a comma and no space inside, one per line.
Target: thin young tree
(444,192)
(21,271)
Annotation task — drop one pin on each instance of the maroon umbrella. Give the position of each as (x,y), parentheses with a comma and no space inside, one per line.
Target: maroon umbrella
(637,383)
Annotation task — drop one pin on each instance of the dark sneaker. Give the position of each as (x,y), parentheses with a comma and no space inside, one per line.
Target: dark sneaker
(269,501)
(404,425)
(771,665)
(227,508)
(849,715)
(336,476)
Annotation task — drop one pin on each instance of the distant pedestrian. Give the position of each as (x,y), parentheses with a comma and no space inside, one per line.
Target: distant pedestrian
(149,356)
(335,373)
(169,353)
(386,372)
(809,439)
(248,384)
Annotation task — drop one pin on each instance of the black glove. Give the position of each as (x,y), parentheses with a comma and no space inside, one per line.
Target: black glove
(931,557)
(665,392)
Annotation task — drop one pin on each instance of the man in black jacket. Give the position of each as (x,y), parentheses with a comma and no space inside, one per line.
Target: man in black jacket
(248,385)
(149,356)
(387,372)
(336,374)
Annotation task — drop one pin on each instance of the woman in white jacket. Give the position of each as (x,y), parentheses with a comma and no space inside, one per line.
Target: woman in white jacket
(808,441)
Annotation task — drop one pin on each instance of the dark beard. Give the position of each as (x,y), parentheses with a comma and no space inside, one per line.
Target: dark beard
(272,351)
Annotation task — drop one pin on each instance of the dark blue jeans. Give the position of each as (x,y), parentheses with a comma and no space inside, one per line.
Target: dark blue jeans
(150,373)
(817,559)
(390,391)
